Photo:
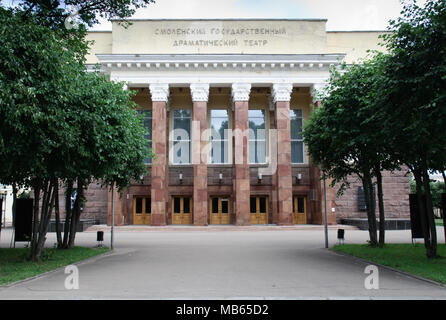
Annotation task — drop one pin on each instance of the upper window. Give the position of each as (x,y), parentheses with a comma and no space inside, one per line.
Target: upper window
(297,143)
(147,123)
(219,123)
(181,136)
(257,136)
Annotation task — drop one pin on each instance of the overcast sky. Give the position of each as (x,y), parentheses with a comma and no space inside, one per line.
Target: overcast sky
(341,14)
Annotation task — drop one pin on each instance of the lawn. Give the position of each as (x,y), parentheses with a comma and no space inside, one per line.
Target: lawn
(406,257)
(14,264)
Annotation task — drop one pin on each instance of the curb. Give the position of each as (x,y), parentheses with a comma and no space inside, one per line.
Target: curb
(389,268)
(41,275)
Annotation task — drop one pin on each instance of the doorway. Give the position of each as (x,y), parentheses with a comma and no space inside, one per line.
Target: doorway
(259,210)
(142,210)
(219,210)
(181,210)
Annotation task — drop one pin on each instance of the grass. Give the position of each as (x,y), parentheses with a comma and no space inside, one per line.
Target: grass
(14,264)
(405,257)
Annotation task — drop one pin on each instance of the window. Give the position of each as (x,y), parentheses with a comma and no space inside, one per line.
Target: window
(181,136)
(257,136)
(147,123)
(219,123)
(297,143)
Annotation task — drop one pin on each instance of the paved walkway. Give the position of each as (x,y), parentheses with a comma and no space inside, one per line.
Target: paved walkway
(224,264)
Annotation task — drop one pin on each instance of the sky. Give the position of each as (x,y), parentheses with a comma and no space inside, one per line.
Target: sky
(342,15)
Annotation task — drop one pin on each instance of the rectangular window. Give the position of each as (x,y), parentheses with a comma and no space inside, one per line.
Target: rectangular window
(181,136)
(257,136)
(219,123)
(297,142)
(147,123)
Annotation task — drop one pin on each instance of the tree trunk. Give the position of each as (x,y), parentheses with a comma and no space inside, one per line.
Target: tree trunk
(76,213)
(14,202)
(68,213)
(443,205)
(371,216)
(48,200)
(429,209)
(57,215)
(422,210)
(382,219)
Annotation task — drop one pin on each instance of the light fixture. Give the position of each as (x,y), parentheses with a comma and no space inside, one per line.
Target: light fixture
(220,177)
(260,177)
(299,178)
(180,176)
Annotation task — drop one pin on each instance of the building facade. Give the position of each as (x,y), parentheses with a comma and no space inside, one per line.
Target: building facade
(224,102)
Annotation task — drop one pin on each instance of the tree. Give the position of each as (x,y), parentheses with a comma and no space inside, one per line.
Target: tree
(414,99)
(110,142)
(344,135)
(59,123)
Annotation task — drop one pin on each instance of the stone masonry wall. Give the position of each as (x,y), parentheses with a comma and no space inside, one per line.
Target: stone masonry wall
(96,205)
(396,198)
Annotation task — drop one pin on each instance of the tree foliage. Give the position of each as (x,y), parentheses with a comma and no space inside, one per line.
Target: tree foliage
(414,98)
(58,123)
(345,135)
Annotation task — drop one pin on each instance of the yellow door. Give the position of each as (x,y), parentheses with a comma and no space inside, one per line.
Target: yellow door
(181,210)
(259,210)
(300,210)
(142,208)
(219,210)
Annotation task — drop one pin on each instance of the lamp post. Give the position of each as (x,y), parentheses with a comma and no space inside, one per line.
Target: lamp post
(325,208)
(113,215)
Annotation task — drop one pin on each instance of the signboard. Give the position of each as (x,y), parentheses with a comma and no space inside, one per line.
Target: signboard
(415,219)
(248,36)
(23,219)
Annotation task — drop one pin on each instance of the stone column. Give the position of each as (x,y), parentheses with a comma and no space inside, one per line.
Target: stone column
(281,94)
(200,95)
(159,195)
(317,184)
(240,97)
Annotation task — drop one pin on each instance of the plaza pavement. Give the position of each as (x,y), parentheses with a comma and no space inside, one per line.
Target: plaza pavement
(262,262)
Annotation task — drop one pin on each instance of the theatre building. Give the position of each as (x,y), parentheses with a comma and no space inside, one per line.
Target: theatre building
(224,102)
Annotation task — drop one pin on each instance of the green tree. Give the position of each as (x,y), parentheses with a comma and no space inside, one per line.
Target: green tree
(59,123)
(344,135)
(414,99)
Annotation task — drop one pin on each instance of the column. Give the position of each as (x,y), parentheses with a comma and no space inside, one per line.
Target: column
(317,184)
(159,195)
(281,94)
(200,95)
(240,98)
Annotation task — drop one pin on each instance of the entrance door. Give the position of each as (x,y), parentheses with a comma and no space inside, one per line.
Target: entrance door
(259,210)
(142,209)
(181,210)
(300,209)
(219,210)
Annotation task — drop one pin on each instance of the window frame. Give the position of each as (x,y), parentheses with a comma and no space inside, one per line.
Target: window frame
(297,140)
(171,137)
(229,139)
(267,144)
(141,111)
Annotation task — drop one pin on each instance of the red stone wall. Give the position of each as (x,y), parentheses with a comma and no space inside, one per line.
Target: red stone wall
(396,197)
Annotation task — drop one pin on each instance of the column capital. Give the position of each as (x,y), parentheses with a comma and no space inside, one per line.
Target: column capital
(317,90)
(241,91)
(159,91)
(281,92)
(199,91)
